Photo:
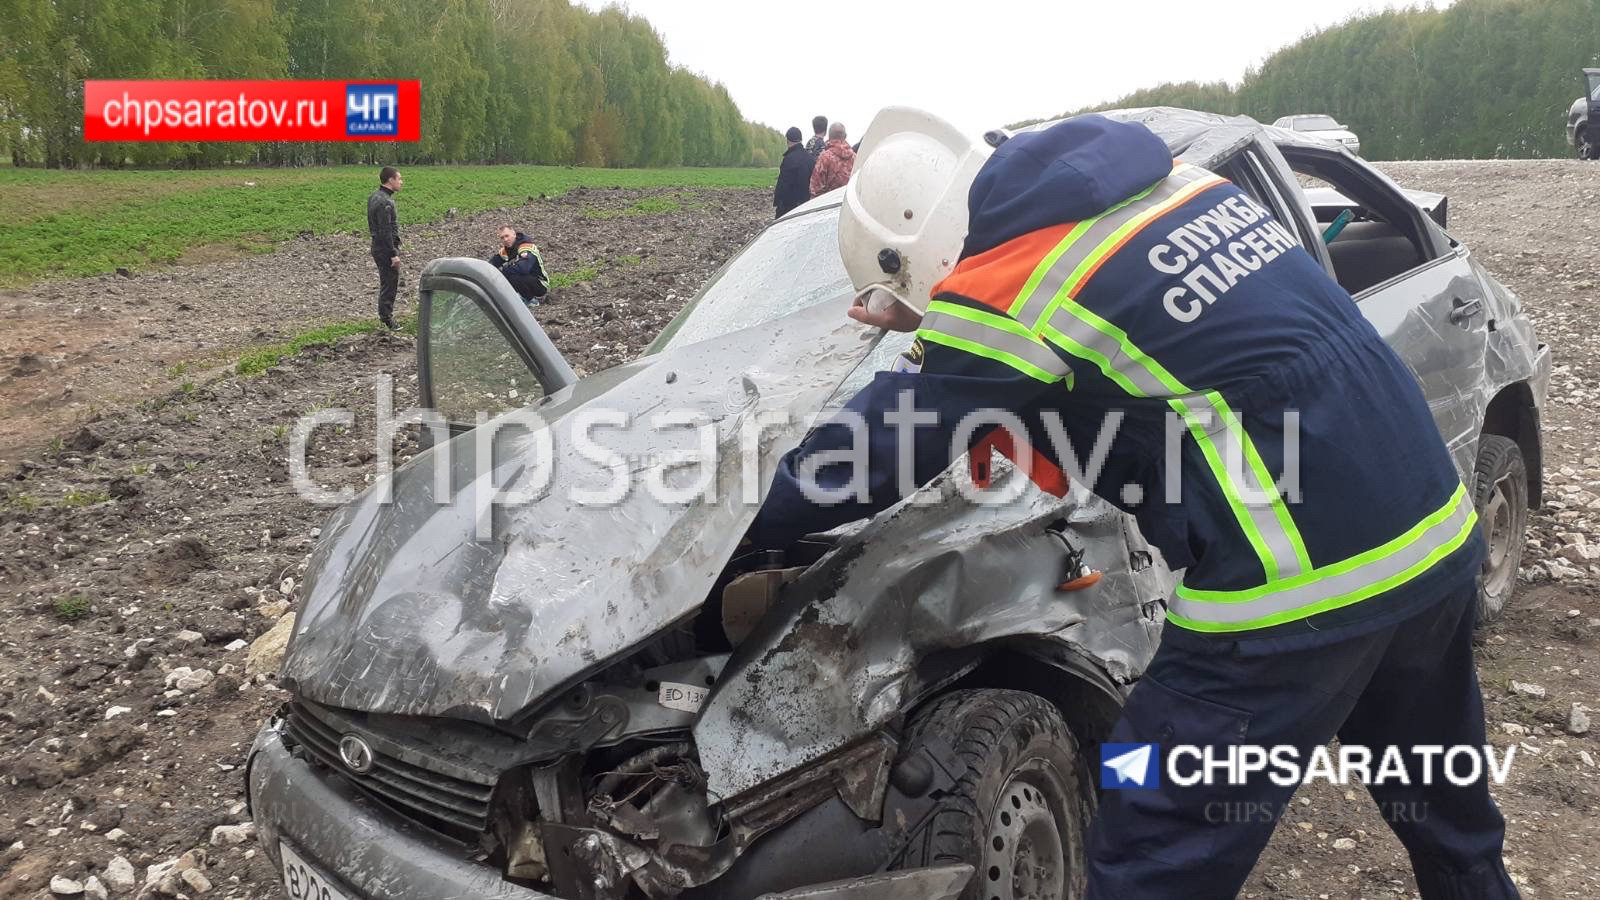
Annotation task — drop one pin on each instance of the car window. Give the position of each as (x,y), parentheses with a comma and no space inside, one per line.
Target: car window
(790,266)
(472,366)
(1248,173)
(1381,238)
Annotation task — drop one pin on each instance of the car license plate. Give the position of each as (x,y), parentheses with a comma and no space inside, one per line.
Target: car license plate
(302,882)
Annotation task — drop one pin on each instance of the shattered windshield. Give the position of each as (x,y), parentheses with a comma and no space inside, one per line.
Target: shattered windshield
(794,264)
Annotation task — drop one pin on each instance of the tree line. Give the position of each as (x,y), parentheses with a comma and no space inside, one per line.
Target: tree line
(1481,78)
(525,81)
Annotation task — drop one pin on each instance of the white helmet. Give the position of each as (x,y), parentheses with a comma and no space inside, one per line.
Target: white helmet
(905,207)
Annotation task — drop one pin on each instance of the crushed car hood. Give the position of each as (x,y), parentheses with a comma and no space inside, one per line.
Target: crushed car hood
(407,611)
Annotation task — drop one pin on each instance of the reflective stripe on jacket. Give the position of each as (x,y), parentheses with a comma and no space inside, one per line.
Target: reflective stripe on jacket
(1311,476)
(523,267)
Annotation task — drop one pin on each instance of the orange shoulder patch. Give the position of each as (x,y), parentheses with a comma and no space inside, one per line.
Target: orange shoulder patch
(995,277)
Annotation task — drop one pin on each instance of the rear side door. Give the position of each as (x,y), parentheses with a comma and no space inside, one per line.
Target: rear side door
(1432,310)
(480,353)
(1436,318)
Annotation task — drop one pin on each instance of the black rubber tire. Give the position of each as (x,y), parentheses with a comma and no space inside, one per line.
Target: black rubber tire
(1500,494)
(1017,751)
(1581,144)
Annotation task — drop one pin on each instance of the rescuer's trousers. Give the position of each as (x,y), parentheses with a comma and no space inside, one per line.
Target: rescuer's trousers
(1405,685)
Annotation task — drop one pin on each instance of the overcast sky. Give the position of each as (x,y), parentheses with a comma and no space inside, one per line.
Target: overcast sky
(978,63)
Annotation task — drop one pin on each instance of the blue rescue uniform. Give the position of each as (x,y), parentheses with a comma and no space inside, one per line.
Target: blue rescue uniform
(1268,442)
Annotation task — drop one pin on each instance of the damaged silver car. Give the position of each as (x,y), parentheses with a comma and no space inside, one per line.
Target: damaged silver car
(559,698)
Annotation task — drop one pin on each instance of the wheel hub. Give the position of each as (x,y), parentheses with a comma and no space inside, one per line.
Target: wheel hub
(1499,529)
(1023,857)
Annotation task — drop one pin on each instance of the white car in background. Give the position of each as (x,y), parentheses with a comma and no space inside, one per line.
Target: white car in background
(1325,127)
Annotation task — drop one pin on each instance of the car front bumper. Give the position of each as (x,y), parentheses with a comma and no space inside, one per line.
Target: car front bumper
(377,855)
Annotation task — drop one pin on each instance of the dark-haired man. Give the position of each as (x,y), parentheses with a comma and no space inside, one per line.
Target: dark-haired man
(384,227)
(819,137)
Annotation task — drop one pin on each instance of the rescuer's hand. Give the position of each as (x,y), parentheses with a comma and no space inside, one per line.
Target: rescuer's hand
(898,317)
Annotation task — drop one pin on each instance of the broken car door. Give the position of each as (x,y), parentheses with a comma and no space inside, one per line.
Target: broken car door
(480,353)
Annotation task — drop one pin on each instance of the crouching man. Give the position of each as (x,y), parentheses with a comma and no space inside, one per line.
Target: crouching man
(519,261)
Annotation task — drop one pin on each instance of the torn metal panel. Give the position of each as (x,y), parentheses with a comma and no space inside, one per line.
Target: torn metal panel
(840,656)
(407,613)
(1198,138)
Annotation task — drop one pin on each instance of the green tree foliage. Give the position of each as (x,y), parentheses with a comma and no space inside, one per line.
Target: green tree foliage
(532,81)
(1482,78)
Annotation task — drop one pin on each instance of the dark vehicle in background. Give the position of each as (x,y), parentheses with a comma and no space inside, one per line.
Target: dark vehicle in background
(1583,118)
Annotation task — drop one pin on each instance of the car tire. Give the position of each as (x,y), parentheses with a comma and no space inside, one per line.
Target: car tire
(1583,142)
(1020,812)
(1500,494)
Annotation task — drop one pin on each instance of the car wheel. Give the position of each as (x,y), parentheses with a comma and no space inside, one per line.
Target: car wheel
(1586,145)
(1500,493)
(1020,813)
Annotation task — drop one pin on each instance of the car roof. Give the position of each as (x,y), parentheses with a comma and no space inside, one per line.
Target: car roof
(818,203)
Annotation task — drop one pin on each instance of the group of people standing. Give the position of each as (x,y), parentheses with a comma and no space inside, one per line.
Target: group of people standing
(815,167)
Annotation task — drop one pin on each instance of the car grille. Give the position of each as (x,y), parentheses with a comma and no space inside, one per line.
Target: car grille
(416,791)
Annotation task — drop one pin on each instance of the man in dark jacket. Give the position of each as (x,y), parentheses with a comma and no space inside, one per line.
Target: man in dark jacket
(819,138)
(794,176)
(519,261)
(384,227)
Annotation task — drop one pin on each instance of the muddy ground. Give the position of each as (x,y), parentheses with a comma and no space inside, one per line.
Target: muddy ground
(147,525)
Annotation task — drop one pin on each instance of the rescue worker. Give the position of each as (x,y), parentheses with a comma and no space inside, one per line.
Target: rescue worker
(384,227)
(1081,272)
(519,261)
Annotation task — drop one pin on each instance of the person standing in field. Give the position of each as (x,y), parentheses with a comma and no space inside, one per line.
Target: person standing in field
(835,164)
(819,130)
(384,227)
(794,176)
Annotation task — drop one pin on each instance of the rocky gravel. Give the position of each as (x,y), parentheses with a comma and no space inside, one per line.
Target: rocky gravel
(1528,222)
(151,555)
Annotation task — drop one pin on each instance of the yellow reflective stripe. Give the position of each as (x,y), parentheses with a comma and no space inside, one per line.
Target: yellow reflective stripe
(1268,526)
(992,336)
(1337,585)
(1047,265)
(1117,238)
(1293,559)
(999,356)
(1223,475)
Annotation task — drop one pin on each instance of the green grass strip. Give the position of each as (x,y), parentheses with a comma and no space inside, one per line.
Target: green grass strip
(77,223)
(259,359)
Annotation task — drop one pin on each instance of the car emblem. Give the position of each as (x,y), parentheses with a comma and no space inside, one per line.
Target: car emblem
(356,754)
